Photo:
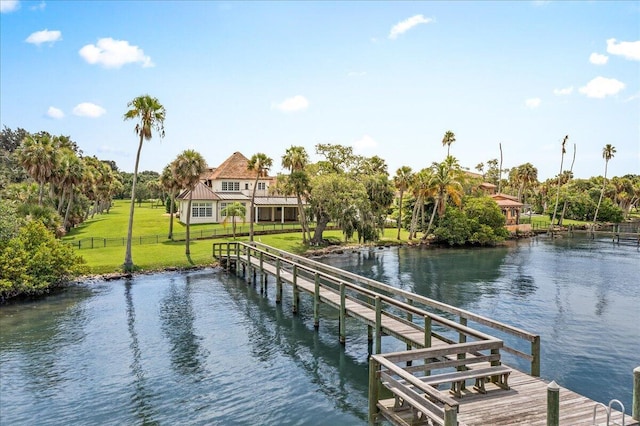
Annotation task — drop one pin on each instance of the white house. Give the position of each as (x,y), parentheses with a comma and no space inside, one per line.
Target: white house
(232,182)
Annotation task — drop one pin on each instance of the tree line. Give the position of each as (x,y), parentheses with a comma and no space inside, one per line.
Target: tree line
(46,178)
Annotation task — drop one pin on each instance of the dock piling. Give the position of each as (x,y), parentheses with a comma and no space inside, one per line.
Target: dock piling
(635,412)
(553,404)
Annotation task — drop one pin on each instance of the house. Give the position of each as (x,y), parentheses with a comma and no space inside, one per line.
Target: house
(232,182)
(510,207)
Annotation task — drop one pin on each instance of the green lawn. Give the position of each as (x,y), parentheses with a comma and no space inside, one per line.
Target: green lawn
(150,221)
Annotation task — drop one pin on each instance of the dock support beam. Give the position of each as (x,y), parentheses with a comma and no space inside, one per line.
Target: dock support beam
(373,390)
(343,311)
(450,415)
(278,283)
(378,325)
(296,292)
(535,352)
(553,404)
(635,413)
(316,301)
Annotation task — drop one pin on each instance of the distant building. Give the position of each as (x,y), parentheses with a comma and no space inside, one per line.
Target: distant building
(510,207)
(232,182)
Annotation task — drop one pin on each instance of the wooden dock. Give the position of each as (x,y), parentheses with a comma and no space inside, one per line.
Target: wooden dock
(441,351)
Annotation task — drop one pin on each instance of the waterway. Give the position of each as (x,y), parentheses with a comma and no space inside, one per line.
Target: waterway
(203,348)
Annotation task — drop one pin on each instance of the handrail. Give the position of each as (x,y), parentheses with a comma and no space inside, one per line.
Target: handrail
(534,339)
(240,249)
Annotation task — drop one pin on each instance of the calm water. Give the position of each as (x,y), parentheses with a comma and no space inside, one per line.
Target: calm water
(203,348)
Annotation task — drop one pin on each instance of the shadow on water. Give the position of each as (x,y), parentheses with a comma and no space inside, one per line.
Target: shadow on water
(336,374)
(143,409)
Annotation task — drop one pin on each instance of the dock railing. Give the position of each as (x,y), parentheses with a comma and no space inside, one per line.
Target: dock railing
(422,313)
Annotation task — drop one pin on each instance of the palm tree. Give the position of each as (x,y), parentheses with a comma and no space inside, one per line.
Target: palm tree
(38,156)
(447,181)
(422,187)
(261,164)
(296,159)
(232,211)
(172,186)
(73,177)
(448,139)
(564,151)
(402,181)
(150,115)
(189,166)
(607,153)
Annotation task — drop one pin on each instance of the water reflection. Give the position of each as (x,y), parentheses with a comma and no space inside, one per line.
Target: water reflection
(273,330)
(178,326)
(141,398)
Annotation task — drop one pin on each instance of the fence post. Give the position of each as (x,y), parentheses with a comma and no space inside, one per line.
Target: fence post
(635,412)
(427,331)
(553,404)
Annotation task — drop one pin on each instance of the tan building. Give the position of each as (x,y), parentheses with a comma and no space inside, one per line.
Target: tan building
(510,207)
(232,182)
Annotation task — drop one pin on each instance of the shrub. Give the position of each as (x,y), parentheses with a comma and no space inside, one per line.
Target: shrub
(33,262)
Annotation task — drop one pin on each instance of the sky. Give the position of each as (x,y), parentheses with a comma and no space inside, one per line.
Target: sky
(386,78)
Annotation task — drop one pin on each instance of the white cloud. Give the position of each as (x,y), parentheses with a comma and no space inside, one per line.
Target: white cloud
(404,26)
(628,49)
(598,59)
(7,6)
(44,36)
(364,143)
(565,91)
(87,109)
(533,103)
(112,53)
(601,87)
(54,112)
(296,103)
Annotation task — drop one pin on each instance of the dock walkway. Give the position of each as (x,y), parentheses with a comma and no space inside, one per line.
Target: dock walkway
(440,340)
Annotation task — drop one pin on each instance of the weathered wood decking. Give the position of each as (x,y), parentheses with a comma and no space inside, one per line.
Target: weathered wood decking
(418,322)
(524,404)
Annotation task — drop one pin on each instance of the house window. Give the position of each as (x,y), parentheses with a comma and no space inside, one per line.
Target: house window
(246,186)
(230,186)
(262,185)
(201,210)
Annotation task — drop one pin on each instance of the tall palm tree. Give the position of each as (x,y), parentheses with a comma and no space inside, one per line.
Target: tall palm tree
(448,183)
(150,114)
(38,156)
(189,166)
(448,139)
(402,181)
(607,153)
(296,159)
(73,177)
(564,151)
(172,186)
(422,187)
(260,164)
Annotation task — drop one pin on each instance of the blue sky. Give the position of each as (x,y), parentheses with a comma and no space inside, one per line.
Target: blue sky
(388,78)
